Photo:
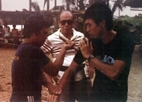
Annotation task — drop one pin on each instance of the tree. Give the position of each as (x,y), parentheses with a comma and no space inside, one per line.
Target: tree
(117,4)
(35,6)
(133,3)
(99,1)
(78,4)
(81,4)
(46,1)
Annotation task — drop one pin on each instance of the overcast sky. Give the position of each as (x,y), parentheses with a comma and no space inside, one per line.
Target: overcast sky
(13,5)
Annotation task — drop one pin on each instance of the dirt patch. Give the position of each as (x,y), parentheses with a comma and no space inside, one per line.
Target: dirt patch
(135,77)
(6,56)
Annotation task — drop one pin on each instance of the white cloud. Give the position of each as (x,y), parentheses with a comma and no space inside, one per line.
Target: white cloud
(13,5)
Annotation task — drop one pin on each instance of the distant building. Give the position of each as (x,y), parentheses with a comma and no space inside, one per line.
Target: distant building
(58,8)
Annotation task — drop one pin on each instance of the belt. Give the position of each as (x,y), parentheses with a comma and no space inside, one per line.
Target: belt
(63,68)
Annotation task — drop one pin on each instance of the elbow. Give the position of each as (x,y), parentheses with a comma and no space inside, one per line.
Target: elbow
(113,76)
(52,72)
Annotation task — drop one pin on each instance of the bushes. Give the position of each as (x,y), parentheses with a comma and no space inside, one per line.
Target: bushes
(131,26)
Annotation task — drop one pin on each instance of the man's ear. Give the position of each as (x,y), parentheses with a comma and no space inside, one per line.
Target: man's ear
(103,23)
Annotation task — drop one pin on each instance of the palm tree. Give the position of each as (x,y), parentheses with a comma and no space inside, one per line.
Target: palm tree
(80,3)
(35,6)
(117,4)
(47,1)
(100,1)
(68,3)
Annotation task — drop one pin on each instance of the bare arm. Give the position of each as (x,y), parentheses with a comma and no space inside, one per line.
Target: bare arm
(47,82)
(66,77)
(53,68)
(60,58)
(50,69)
(112,71)
(46,79)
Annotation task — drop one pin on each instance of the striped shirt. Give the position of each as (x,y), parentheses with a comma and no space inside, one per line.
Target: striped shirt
(53,45)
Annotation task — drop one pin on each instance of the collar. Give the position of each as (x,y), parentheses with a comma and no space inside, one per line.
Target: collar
(74,34)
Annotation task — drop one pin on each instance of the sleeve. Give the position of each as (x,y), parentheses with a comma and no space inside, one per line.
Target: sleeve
(39,58)
(79,59)
(127,48)
(43,59)
(46,47)
(97,45)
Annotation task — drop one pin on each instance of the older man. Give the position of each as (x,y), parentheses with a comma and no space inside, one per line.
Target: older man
(54,46)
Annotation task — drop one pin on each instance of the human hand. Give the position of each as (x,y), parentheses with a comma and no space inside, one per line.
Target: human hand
(68,45)
(90,71)
(53,89)
(57,78)
(67,41)
(86,47)
(52,98)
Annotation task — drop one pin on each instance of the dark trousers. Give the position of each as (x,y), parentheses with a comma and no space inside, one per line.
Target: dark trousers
(75,90)
(19,97)
(78,89)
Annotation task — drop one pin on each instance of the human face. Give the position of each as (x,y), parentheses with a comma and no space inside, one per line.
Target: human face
(66,23)
(40,38)
(92,28)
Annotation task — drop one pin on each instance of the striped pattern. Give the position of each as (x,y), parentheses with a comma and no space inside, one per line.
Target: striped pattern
(30,98)
(53,44)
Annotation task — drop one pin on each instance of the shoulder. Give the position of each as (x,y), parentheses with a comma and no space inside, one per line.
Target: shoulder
(28,47)
(53,35)
(124,37)
(126,40)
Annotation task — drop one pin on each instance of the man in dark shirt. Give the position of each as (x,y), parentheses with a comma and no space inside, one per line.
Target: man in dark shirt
(109,53)
(30,61)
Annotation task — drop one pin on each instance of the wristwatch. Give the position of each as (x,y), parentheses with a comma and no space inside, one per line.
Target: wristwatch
(90,57)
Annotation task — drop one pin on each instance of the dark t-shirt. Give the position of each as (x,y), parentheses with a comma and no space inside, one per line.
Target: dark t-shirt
(104,89)
(26,70)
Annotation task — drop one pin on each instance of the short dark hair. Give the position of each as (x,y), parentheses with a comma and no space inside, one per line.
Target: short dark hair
(99,12)
(35,23)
